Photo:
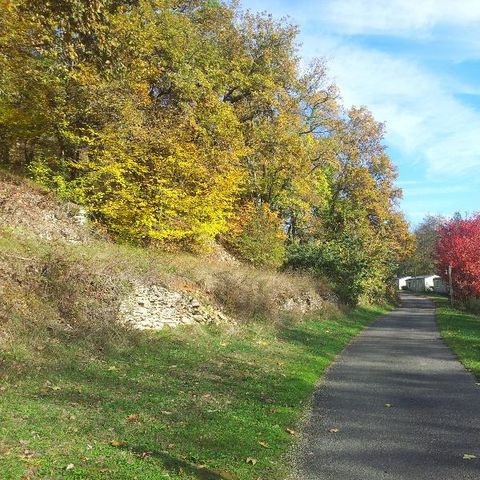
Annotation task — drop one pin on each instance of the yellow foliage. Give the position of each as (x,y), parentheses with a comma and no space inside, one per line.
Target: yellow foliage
(178,124)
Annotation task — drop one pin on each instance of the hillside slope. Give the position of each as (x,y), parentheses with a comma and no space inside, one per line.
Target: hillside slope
(85,395)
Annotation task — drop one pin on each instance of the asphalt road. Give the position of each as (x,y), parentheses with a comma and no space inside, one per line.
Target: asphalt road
(433,420)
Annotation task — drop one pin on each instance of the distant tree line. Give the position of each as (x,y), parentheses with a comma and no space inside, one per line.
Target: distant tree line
(177,123)
(423,258)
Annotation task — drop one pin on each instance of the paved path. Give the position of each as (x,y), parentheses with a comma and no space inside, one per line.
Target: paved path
(434,420)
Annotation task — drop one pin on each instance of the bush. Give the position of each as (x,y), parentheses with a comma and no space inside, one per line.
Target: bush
(257,237)
(344,263)
(325,259)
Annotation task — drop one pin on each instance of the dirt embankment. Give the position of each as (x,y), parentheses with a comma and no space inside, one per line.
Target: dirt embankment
(55,266)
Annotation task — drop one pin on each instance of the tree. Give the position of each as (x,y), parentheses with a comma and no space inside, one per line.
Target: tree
(458,246)
(423,259)
(361,235)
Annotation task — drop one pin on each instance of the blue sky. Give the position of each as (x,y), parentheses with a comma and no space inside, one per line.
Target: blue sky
(416,65)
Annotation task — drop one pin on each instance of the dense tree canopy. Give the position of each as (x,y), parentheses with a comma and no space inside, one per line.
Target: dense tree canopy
(458,246)
(179,122)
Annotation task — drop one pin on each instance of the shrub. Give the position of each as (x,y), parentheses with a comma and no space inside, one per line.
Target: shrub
(344,263)
(257,237)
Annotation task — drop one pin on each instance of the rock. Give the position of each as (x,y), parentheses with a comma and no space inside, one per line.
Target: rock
(155,307)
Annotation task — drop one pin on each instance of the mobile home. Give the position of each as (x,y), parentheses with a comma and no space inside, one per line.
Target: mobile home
(422,283)
(402,282)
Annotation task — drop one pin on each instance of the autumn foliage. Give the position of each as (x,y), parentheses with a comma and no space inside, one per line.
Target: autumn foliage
(459,246)
(165,118)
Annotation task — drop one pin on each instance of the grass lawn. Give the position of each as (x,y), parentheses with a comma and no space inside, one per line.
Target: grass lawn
(194,403)
(461,331)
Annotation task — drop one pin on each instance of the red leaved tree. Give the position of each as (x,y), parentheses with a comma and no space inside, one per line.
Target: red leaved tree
(458,245)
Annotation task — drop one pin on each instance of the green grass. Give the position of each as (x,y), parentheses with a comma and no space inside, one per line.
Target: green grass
(461,331)
(204,400)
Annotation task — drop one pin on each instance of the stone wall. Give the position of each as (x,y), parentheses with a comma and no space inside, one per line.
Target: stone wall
(155,307)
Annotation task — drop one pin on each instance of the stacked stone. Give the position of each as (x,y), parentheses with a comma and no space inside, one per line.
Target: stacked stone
(155,307)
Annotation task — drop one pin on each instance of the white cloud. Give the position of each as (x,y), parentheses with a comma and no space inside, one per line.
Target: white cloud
(398,17)
(424,118)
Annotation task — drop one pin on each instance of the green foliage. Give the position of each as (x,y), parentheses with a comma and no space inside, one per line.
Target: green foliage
(42,173)
(422,260)
(360,236)
(256,236)
(343,263)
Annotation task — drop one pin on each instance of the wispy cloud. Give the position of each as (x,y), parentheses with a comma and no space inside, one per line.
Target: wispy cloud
(424,118)
(397,17)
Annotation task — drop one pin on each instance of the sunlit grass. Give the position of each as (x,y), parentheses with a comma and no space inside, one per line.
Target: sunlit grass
(461,331)
(194,403)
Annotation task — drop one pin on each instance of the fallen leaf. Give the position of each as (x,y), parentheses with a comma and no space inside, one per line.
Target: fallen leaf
(224,474)
(116,443)
(333,430)
(469,456)
(70,466)
(290,431)
(251,461)
(264,444)
(28,453)
(132,418)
